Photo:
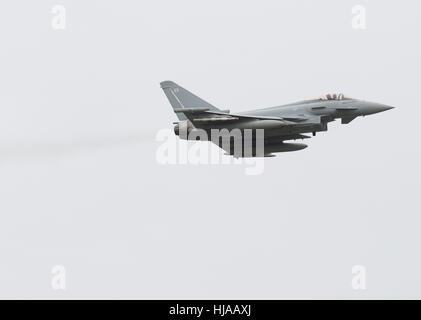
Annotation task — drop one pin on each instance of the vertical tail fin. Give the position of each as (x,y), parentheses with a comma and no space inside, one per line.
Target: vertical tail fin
(181,98)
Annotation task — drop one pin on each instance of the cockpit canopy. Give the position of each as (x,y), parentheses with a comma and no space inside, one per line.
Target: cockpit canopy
(333,96)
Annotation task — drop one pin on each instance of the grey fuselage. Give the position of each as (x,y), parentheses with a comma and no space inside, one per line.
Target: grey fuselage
(315,114)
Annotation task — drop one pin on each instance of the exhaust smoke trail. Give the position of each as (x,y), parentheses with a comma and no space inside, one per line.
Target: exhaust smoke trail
(27,150)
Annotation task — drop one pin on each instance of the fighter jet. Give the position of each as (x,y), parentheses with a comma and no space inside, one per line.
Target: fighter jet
(279,124)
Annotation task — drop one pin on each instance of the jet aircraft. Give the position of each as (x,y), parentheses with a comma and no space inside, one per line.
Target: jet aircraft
(279,124)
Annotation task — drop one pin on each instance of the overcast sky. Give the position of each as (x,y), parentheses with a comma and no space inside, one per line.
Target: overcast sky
(81,186)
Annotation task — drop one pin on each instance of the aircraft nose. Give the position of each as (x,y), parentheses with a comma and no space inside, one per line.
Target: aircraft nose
(372,108)
(383,107)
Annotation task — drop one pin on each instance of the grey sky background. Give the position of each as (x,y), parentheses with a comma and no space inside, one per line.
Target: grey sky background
(80,185)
